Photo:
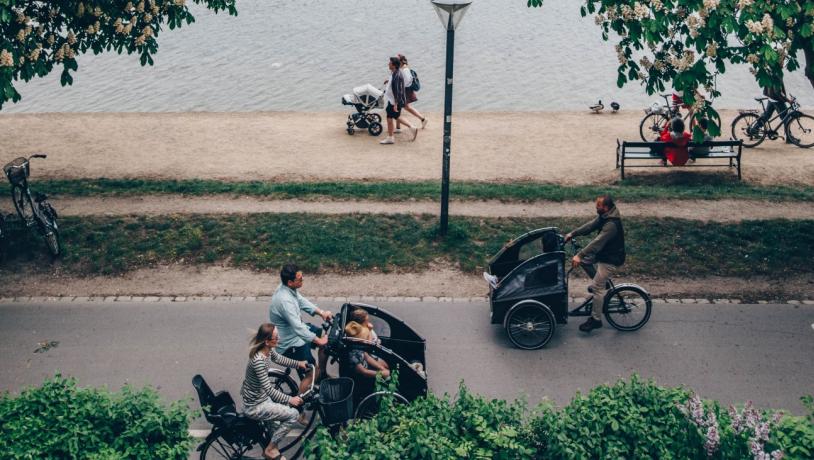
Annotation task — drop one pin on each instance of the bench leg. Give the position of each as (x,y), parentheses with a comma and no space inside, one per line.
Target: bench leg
(739,169)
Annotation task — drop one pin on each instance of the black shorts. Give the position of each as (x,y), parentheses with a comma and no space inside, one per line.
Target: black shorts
(303,352)
(391,112)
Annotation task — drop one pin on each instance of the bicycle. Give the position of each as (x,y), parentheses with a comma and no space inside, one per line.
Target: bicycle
(531,298)
(235,436)
(658,116)
(618,307)
(749,128)
(44,216)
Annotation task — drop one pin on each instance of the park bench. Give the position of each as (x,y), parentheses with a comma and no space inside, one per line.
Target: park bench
(643,153)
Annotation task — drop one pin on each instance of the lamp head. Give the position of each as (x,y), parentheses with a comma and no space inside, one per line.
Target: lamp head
(450,12)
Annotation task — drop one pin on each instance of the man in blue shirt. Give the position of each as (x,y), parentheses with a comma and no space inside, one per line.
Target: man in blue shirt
(296,336)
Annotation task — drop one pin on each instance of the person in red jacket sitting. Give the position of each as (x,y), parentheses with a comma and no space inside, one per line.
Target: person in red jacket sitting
(676,151)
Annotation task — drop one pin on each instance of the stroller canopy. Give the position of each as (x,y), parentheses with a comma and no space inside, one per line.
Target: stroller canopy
(366,95)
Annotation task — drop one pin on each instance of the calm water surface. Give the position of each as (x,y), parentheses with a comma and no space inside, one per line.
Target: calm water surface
(304,55)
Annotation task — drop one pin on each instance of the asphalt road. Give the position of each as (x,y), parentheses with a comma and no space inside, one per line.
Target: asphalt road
(732,353)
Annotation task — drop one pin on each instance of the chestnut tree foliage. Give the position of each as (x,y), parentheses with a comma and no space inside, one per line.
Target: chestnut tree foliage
(37,36)
(684,43)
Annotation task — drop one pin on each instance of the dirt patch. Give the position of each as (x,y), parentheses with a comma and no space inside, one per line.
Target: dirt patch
(703,210)
(439,281)
(555,147)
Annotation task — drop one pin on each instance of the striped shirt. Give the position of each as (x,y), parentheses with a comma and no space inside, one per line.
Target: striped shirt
(257,386)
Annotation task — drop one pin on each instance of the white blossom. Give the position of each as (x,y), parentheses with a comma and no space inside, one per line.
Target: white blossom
(712,49)
(657,5)
(745,3)
(641,11)
(768,24)
(71,38)
(711,4)
(6,59)
(754,27)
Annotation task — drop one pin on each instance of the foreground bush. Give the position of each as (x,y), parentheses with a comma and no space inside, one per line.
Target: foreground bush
(632,419)
(432,427)
(60,421)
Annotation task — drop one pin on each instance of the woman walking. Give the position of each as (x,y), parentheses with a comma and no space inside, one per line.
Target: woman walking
(263,402)
(394,91)
(407,74)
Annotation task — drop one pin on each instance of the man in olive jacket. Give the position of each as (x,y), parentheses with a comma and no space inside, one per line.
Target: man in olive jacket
(603,256)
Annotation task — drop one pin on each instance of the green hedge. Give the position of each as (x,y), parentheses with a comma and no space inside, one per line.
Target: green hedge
(61,421)
(632,419)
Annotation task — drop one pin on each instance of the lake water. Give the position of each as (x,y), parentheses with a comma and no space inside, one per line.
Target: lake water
(304,55)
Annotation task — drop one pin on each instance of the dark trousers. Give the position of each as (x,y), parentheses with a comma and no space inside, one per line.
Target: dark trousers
(771,106)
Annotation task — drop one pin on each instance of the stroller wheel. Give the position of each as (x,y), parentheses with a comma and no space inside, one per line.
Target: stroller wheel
(375,117)
(375,128)
(350,131)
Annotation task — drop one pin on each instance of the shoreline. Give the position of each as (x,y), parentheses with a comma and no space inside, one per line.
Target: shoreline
(572,148)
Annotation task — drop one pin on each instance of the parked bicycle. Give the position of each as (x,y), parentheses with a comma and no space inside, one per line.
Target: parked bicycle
(797,126)
(43,215)
(658,116)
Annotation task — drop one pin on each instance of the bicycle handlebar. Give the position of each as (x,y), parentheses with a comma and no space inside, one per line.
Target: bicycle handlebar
(38,155)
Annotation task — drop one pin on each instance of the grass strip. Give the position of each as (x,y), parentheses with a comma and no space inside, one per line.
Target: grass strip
(359,243)
(643,189)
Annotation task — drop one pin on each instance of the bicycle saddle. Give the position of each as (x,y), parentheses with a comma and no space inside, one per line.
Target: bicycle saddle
(761,98)
(40,197)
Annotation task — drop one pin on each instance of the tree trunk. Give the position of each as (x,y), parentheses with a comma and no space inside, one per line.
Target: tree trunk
(808,52)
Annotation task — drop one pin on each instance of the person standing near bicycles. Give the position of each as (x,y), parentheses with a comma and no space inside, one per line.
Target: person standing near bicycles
(602,257)
(261,401)
(777,101)
(296,336)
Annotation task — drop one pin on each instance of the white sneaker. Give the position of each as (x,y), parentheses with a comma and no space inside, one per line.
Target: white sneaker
(424,123)
(415,133)
(397,131)
(387,140)
(491,279)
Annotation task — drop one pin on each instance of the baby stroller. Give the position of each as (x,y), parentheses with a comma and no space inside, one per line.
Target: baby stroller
(364,99)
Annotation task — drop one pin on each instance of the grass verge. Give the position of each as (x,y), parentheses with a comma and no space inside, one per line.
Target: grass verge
(359,243)
(642,189)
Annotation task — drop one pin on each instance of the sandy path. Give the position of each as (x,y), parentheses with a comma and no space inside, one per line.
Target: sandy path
(703,210)
(440,281)
(561,147)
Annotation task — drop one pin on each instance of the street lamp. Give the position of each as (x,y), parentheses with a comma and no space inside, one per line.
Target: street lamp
(450,12)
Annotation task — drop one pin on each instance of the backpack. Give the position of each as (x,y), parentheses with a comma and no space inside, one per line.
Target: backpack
(416,84)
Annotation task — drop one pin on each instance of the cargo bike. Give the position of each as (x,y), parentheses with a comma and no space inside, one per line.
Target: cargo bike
(531,296)
(335,401)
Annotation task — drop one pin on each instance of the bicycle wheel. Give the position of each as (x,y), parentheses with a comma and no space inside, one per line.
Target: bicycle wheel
(800,130)
(745,128)
(369,406)
(651,126)
(530,325)
(229,444)
(49,228)
(286,384)
(627,308)
(23,204)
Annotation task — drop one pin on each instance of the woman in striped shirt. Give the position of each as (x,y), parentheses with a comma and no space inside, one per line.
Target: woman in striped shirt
(261,401)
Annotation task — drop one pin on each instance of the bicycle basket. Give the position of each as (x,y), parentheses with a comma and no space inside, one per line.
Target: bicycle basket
(17,170)
(336,400)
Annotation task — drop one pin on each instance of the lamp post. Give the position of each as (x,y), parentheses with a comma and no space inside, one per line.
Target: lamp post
(450,12)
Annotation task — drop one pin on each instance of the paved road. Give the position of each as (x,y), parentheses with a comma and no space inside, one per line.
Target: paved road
(728,352)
